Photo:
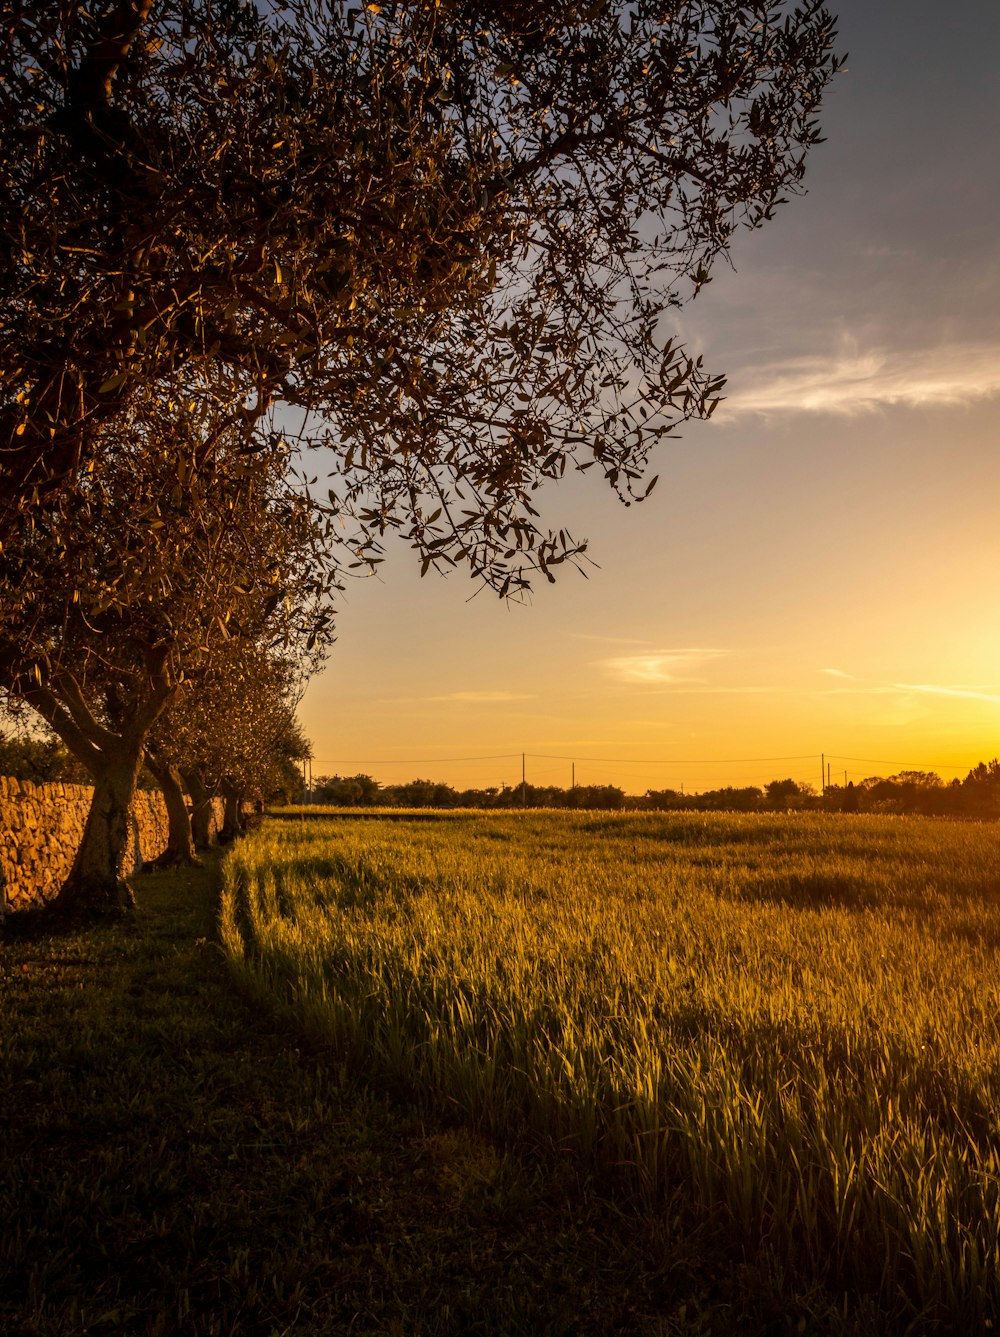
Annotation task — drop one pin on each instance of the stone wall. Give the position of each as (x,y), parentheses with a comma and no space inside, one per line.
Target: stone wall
(40,830)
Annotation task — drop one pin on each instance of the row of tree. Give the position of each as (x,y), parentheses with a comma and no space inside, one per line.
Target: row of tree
(362,791)
(164,614)
(271,773)
(442,240)
(917,792)
(272,776)
(921,792)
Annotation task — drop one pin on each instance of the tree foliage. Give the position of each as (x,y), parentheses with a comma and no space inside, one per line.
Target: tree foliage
(232,728)
(24,756)
(127,587)
(447,232)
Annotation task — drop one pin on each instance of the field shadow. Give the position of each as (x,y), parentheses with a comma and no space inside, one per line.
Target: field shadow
(985,936)
(824,889)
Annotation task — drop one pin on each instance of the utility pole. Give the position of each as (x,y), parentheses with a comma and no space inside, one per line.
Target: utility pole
(822,773)
(524,790)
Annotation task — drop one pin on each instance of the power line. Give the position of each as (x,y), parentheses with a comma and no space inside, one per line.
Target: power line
(634,761)
(410,761)
(551,756)
(906,765)
(671,761)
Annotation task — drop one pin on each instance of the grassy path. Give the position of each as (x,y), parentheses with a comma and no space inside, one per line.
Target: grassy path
(175,1161)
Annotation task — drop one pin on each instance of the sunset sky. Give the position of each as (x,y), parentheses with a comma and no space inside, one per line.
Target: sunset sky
(819,568)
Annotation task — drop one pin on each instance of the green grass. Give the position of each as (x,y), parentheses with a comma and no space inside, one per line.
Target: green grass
(179,1158)
(781,1031)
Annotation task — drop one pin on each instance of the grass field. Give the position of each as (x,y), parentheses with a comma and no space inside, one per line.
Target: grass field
(782,1030)
(178,1160)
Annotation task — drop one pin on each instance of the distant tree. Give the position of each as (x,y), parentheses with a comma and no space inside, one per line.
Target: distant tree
(984,775)
(488,797)
(447,233)
(980,791)
(602,797)
(263,753)
(280,776)
(285,783)
(728,799)
(41,760)
(665,800)
(920,791)
(230,730)
(782,793)
(907,792)
(420,794)
(354,791)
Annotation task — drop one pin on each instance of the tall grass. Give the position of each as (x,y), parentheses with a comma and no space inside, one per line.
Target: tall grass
(786,1026)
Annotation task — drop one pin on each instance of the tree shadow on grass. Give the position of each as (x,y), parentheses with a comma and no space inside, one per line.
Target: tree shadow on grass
(178,1160)
(39,923)
(822,889)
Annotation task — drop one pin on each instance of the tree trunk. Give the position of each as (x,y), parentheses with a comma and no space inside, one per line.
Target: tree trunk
(232,819)
(180,841)
(96,885)
(201,810)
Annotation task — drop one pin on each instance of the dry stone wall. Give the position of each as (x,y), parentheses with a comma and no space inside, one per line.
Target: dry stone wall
(40,831)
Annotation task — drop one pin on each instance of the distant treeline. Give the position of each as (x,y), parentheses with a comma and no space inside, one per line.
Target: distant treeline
(923,792)
(362,791)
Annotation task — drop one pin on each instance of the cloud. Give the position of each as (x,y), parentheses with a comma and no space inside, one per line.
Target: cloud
(659,667)
(970,693)
(849,382)
(907,689)
(483,698)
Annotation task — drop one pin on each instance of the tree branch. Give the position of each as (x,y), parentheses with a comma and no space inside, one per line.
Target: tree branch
(91,86)
(42,700)
(67,690)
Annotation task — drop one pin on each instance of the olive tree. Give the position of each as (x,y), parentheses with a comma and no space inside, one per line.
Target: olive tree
(112,599)
(448,233)
(227,731)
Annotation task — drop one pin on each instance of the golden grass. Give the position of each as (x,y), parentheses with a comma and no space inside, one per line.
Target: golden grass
(787,1025)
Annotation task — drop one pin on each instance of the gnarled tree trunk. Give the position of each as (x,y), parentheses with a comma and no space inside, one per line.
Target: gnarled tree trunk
(201,809)
(180,840)
(96,882)
(232,819)
(95,885)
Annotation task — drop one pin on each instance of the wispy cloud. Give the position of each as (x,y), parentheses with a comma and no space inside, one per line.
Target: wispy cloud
(971,693)
(852,686)
(850,381)
(658,667)
(483,698)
